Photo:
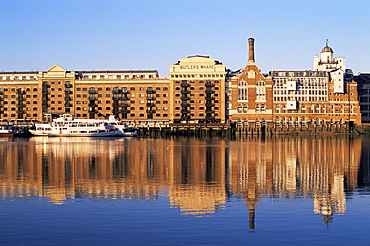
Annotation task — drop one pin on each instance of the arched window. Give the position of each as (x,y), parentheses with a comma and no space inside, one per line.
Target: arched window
(246,122)
(290,121)
(245,108)
(303,120)
(240,124)
(297,121)
(303,108)
(277,120)
(240,108)
(264,122)
(257,107)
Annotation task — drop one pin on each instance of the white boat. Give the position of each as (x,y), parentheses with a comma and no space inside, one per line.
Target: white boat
(41,129)
(71,127)
(122,129)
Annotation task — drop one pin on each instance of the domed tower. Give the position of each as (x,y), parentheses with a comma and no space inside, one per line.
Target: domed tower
(326,61)
(335,66)
(326,54)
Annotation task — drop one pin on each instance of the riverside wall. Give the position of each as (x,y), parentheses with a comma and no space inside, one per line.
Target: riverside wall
(227,130)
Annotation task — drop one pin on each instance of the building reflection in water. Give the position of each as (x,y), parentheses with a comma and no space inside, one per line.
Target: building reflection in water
(199,176)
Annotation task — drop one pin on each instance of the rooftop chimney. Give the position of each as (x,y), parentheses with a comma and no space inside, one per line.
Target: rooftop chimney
(251,51)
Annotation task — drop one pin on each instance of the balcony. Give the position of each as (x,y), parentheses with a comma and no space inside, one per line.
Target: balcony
(92,98)
(150,92)
(150,105)
(116,97)
(92,91)
(151,111)
(68,92)
(68,104)
(68,86)
(116,91)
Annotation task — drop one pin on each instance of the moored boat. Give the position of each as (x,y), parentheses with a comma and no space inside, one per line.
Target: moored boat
(71,127)
(41,129)
(122,129)
(8,130)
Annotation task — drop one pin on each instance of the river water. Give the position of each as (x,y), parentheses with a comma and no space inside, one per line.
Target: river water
(299,190)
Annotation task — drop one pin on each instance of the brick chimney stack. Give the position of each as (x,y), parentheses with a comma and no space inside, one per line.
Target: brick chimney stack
(251,51)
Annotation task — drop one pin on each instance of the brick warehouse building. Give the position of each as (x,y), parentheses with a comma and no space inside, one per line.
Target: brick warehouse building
(199,89)
(319,97)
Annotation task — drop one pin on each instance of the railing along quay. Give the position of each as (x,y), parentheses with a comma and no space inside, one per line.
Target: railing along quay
(227,130)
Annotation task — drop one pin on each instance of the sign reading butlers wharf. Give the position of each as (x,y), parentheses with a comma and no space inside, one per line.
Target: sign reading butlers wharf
(197,66)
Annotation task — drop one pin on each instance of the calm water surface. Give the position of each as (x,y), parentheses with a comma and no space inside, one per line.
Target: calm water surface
(299,190)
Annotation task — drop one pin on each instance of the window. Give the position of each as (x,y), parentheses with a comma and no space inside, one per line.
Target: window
(260,91)
(240,108)
(242,90)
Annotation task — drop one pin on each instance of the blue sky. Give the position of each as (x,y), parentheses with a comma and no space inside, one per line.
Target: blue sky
(153,34)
